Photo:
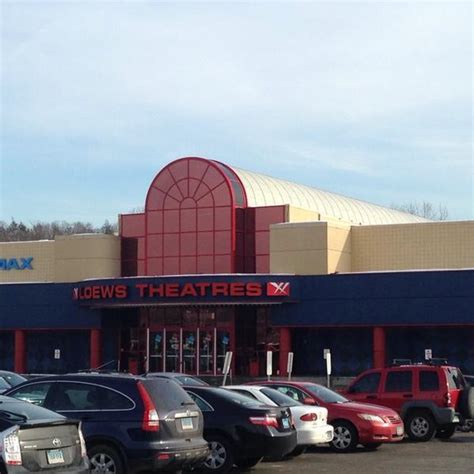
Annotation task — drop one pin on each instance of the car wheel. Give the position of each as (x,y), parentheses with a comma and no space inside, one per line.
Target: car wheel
(466,426)
(345,437)
(372,446)
(298,451)
(105,459)
(446,431)
(247,463)
(420,426)
(220,458)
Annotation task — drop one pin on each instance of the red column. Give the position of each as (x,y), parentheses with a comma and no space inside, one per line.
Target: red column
(96,348)
(285,347)
(379,347)
(20,351)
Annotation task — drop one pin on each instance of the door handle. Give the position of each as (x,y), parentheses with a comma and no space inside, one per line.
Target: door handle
(371,397)
(408,395)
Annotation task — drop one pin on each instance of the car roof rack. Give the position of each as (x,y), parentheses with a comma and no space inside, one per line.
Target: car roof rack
(438,361)
(402,362)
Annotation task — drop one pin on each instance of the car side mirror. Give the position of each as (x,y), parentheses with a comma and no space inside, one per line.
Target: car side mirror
(309,401)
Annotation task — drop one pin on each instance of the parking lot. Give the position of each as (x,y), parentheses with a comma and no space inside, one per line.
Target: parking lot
(453,456)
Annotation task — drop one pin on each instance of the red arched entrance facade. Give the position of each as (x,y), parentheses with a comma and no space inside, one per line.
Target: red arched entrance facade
(196,221)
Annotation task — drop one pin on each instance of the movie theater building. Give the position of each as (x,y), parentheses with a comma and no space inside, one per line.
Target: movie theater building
(224,259)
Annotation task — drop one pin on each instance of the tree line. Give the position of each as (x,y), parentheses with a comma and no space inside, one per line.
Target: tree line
(19,231)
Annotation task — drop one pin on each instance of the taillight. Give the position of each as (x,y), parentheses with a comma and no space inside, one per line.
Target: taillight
(447,399)
(309,417)
(267,420)
(11,449)
(151,422)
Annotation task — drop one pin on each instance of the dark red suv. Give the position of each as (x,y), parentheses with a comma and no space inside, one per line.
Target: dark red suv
(430,399)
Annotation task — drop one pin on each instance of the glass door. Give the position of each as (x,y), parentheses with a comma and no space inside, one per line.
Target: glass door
(206,350)
(156,344)
(173,350)
(189,351)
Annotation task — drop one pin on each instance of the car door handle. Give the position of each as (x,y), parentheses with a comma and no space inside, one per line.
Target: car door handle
(371,397)
(408,395)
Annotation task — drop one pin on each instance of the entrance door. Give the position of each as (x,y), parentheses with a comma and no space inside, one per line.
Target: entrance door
(156,350)
(173,344)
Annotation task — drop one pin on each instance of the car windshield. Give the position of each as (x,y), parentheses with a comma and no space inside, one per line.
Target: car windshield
(238,398)
(324,394)
(3,384)
(280,398)
(12,379)
(188,380)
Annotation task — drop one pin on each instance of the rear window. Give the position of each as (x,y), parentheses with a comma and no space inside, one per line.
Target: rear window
(280,398)
(237,398)
(455,378)
(187,380)
(28,410)
(3,384)
(166,394)
(429,381)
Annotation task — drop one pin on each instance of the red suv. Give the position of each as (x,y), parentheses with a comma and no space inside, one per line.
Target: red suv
(354,423)
(430,399)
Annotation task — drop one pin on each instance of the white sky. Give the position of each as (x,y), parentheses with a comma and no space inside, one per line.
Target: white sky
(368,99)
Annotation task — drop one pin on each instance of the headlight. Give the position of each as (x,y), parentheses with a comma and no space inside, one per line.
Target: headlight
(373,418)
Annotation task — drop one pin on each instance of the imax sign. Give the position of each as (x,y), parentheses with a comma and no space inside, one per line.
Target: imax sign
(16,263)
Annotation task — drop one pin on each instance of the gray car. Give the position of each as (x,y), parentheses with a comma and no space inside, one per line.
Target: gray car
(34,439)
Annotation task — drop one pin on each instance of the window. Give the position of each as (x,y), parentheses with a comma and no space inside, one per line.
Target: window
(367,384)
(34,393)
(429,380)
(86,397)
(292,392)
(399,381)
(246,393)
(455,379)
(203,406)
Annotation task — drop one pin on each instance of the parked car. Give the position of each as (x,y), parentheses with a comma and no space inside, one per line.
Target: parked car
(182,379)
(130,423)
(430,399)
(240,430)
(354,423)
(310,421)
(11,378)
(33,439)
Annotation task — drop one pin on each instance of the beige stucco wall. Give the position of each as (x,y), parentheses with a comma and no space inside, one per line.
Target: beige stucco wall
(64,259)
(296,214)
(87,256)
(430,245)
(310,248)
(42,252)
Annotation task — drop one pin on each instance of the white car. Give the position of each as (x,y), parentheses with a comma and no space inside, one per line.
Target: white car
(310,421)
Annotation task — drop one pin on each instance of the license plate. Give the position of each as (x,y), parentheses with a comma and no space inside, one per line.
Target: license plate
(399,430)
(187,423)
(55,456)
(285,422)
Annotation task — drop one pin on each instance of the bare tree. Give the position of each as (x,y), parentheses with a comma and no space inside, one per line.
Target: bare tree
(424,209)
(18,231)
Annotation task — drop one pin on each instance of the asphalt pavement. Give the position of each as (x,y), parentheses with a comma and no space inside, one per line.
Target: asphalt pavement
(452,456)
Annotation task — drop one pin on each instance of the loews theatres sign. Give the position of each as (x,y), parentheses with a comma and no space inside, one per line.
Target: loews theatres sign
(182,290)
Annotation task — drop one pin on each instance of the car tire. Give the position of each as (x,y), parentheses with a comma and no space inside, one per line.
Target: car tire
(247,463)
(420,425)
(298,451)
(345,438)
(105,459)
(220,458)
(372,446)
(446,431)
(466,426)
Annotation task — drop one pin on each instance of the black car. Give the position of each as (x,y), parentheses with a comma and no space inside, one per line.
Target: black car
(241,430)
(182,379)
(130,423)
(34,439)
